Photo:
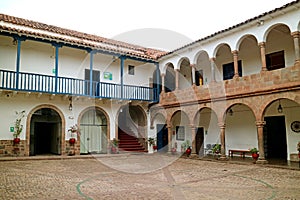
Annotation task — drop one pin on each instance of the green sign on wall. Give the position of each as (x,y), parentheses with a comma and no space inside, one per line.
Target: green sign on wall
(12,129)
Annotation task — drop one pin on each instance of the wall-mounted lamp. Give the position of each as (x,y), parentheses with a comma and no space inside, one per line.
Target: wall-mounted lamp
(15,42)
(279,109)
(230,112)
(70,104)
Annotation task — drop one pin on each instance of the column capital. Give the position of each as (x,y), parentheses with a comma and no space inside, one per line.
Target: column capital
(235,52)
(295,34)
(260,124)
(262,44)
(163,74)
(193,65)
(212,59)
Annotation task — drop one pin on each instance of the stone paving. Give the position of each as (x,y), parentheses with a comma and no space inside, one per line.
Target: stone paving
(134,176)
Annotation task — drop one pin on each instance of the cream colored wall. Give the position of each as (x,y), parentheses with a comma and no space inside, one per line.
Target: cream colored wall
(8,53)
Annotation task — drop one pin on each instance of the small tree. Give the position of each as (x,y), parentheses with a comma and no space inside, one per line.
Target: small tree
(18,126)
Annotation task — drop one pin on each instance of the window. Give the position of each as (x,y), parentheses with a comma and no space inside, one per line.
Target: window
(130,69)
(228,70)
(275,60)
(199,77)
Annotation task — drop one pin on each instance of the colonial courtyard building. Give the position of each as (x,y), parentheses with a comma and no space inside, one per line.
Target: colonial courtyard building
(239,87)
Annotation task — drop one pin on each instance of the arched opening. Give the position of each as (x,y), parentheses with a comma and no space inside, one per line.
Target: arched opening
(157,80)
(280,133)
(185,78)
(203,69)
(132,126)
(93,132)
(162,138)
(45,132)
(170,78)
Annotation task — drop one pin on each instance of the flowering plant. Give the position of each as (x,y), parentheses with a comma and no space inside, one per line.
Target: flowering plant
(298,146)
(18,126)
(253,150)
(73,128)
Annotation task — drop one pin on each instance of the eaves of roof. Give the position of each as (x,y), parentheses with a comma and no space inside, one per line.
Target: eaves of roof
(231,28)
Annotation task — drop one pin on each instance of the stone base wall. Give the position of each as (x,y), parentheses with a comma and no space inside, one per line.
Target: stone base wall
(72,149)
(8,148)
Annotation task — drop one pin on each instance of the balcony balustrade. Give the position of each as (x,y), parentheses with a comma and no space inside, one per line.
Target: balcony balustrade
(30,82)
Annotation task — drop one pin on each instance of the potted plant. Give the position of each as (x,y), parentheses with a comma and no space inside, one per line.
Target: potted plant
(173,150)
(254,152)
(18,127)
(151,142)
(114,146)
(216,149)
(74,130)
(185,145)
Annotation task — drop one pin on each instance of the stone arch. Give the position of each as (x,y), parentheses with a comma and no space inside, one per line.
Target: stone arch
(28,126)
(270,28)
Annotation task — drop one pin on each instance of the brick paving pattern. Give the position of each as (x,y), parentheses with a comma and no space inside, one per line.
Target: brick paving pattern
(144,177)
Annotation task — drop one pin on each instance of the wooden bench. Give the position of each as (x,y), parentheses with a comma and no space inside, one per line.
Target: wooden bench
(242,153)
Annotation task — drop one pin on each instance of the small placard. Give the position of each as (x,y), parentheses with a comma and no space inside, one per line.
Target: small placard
(12,129)
(107,75)
(53,71)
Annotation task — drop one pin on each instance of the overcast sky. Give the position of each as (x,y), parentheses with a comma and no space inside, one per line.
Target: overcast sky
(128,19)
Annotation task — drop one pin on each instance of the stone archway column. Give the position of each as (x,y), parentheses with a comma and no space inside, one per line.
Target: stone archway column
(163,82)
(169,137)
(213,66)
(193,74)
(260,136)
(235,63)
(176,79)
(222,139)
(262,46)
(296,46)
(193,130)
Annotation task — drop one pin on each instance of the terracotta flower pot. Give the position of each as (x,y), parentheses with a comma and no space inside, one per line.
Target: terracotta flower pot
(72,140)
(188,151)
(16,140)
(154,147)
(255,156)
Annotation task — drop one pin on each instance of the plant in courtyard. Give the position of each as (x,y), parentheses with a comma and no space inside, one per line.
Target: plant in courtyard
(216,149)
(151,141)
(185,145)
(73,130)
(114,146)
(18,127)
(298,146)
(253,150)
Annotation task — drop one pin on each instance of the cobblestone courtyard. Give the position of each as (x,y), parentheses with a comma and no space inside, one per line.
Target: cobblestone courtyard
(144,177)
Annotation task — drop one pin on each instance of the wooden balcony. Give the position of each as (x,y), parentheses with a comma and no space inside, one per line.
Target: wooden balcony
(30,82)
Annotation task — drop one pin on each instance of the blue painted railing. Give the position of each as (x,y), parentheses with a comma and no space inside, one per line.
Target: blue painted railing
(70,86)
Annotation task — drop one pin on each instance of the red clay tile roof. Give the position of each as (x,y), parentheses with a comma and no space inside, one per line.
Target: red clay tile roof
(39,30)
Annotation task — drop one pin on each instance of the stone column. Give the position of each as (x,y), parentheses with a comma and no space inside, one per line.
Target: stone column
(213,66)
(235,63)
(163,82)
(176,79)
(193,130)
(169,137)
(193,74)
(222,139)
(296,46)
(262,46)
(260,137)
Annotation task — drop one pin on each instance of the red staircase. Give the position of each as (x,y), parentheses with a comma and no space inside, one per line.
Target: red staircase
(127,142)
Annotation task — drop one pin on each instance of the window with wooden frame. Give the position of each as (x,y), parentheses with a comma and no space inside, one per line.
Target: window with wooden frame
(228,70)
(275,60)
(130,69)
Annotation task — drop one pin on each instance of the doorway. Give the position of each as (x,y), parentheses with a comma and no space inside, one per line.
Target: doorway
(93,132)
(275,138)
(199,140)
(45,132)
(162,137)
